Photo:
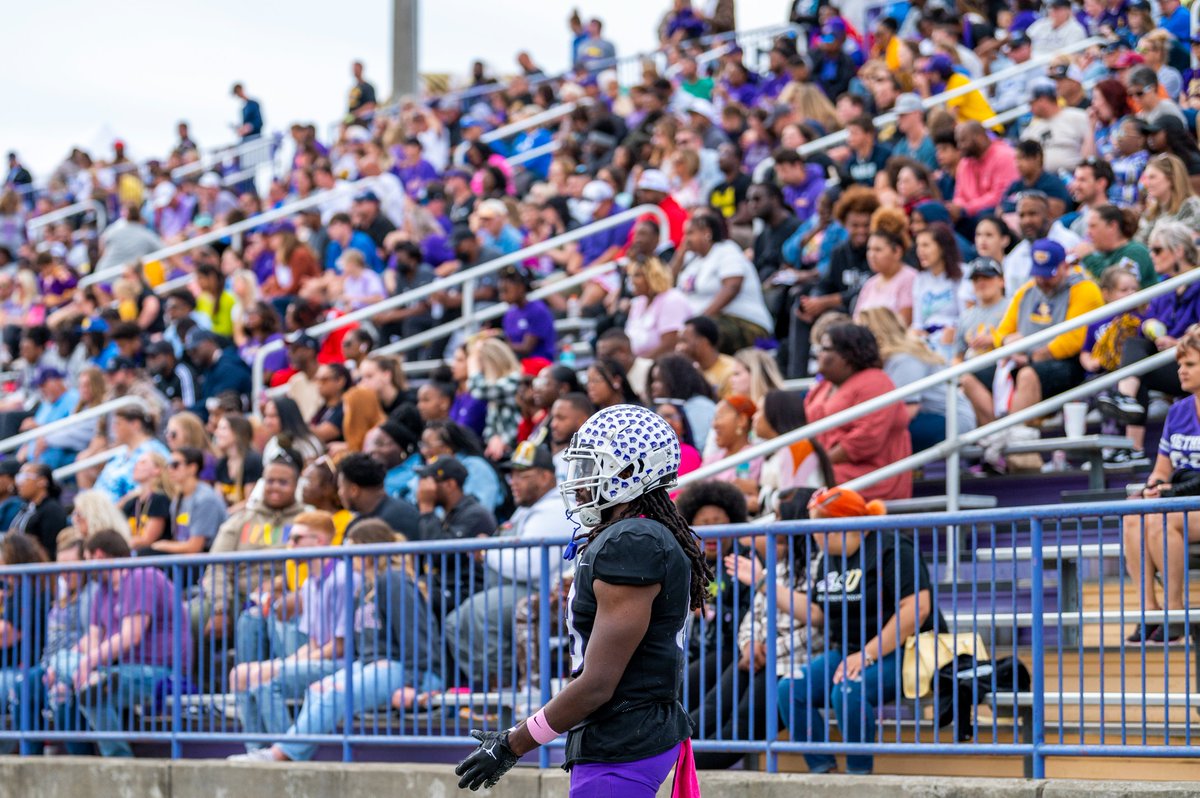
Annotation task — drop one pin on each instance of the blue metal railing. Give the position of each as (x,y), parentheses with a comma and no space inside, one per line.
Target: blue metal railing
(411,645)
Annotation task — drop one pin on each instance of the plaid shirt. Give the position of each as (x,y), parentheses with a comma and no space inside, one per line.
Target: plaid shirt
(502,413)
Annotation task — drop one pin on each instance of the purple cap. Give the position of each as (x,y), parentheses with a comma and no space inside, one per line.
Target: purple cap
(45,373)
(939,63)
(1047,256)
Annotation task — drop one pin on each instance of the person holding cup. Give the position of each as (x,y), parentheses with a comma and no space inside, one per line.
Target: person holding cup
(1155,543)
(1173,252)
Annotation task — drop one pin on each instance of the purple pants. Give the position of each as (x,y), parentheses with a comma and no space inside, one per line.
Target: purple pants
(640,779)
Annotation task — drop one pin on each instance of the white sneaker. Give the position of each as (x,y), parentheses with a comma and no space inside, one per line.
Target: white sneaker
(257,755)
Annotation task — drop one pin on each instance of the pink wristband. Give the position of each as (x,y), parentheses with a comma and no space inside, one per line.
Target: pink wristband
(539,728)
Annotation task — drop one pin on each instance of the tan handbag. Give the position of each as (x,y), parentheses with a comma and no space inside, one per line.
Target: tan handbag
(930,651)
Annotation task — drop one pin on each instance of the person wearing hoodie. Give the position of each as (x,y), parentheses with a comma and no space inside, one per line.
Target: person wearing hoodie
(263,524)
(221,369)
(802,183)
(1056,291)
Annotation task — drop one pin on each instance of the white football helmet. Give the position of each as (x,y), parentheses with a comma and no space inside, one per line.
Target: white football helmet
(616,456)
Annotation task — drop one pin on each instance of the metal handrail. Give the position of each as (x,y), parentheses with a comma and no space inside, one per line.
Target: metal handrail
(1042,408)
(100,410)
(536,120)
(971,366)
(836,138)
(282,212)
(494,311)
(100,458)
(220,154)
(537,152)
(67,212)
(464,277)
(594,67)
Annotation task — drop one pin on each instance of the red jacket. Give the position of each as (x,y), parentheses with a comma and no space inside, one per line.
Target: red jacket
(871,442)
(676,218)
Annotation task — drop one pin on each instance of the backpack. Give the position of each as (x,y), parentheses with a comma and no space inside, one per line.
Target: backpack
(969,681)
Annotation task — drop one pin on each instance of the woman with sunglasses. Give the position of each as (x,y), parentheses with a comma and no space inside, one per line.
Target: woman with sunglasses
(186,430)
(196,511)
(1174,251)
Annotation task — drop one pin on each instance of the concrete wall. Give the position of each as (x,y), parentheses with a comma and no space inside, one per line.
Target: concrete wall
(67,777)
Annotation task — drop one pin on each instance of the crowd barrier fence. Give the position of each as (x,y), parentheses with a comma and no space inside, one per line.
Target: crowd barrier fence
(411,645)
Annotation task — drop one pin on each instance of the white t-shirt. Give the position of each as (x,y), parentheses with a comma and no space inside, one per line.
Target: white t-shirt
(1062,138)
(936,301)
(1048,40)
(1018,262)
(701,279)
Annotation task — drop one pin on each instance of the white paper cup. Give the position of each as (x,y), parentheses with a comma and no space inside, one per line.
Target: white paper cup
(1075,419)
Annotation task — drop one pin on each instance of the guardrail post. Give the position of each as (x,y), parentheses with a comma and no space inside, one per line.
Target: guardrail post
(544,642)
(468,304)
(772,653)
(952,477)
(1039,655)
(26,596)
(179,612)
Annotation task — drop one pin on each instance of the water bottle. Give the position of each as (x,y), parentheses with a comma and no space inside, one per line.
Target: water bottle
(573,307)
(567,358)
(1059,460)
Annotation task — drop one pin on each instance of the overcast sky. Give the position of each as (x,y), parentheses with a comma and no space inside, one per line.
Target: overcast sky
(82,73)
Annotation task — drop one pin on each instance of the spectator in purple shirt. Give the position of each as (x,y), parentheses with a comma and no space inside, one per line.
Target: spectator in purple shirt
(803,184)
(738,85)
(465,410)
(413,170)
(135,635)
(172,210)
(528,326)
(779,74)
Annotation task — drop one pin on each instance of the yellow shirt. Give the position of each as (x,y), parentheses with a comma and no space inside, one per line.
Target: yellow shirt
(970,107)
(297,572)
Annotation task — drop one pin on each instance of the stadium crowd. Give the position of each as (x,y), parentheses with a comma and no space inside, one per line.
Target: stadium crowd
(869,265)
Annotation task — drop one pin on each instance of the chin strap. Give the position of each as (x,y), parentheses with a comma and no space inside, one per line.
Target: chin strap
(579,534)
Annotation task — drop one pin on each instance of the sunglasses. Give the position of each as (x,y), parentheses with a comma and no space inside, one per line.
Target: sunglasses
(175,464)
(1157,250)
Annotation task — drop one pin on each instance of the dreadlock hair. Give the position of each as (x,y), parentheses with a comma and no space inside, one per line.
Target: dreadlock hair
(657,505)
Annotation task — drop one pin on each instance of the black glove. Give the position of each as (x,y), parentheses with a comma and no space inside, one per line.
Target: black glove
(487,763)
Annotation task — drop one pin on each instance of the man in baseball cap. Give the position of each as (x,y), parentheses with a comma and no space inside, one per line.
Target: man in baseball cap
(1057,291)
(977,326)
(440,487)
(509,573)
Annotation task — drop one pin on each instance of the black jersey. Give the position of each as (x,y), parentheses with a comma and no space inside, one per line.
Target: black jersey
(861,593)
(645,716)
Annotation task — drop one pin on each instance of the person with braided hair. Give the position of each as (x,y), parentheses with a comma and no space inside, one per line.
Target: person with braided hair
(641,571)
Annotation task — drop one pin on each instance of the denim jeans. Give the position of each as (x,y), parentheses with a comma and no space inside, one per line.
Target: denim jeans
(853,703)
(66,715)
(263,709)
(371,687)
(128,686)
(479,633)
(257,638)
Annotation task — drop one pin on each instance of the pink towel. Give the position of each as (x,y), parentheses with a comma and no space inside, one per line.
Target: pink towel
(686,783)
